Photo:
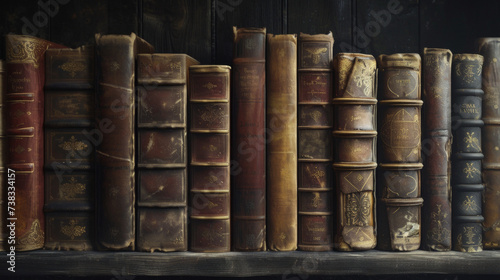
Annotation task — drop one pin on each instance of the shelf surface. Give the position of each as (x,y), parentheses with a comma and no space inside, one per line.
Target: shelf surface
(69,263)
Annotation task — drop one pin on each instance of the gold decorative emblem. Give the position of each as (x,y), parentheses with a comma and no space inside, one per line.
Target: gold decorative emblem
(72,230)
(316,200)
(469,233)
(72,67)
(395,133)
(357,180)
(71,189)
(471,170)
(315,54)
(212,116)
(209,86)
(212,148)
(25,50)
(34,236)
(73,145)
(469,72)
(471,141)
(114,66)
(315,115)
(357,209)
(469,204)
(439,233)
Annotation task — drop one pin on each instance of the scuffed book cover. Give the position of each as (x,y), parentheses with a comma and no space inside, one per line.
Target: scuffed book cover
(115,154)
(69,149)
(399,178)
(209,174)
(314,137)
(162,151)
(248,143)
(281,148)
(436,149)
(355,132)
(24,126)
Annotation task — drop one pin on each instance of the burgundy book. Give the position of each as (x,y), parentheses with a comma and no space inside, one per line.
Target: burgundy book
(209,180)
(24,104)
(115,159)
(248,145)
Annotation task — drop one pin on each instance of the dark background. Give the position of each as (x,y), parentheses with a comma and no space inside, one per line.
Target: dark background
(203,29)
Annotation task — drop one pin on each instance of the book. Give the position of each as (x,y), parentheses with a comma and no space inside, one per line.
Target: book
(162,81)
(209,173)
(69,151)
(281,148)
(355,162)
(25,61)
(489,48)
(314,138)
(467,183)
(115,132)
(248,140)
(436,149)
(399,193)
(3,160)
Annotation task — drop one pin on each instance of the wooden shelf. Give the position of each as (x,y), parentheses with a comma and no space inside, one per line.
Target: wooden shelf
(237,264)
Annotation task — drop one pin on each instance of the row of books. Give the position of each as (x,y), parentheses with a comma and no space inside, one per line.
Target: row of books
(115,147)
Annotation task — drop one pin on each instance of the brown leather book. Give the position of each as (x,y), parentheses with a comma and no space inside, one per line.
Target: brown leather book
(248,145)
(69,149)
(400,201)
(467,154)
(489,48)
(436,149)
(162,151)
(24,105)
(115,159)
(209,174)
(314,137)
(355,132)
(3,160)
(281,149)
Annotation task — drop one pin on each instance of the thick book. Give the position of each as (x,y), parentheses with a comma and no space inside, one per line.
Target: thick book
(281,148)
(467,155)
(162,81)
(209,165)
(25,59)
(399,181)
(355,162)
(248,140)
(489,48)
(115,131)
(69,149)
(3,160)
(436,149)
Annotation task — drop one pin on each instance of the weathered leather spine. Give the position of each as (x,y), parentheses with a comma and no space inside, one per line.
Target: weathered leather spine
(399,223)
(467,155)
(248,141)
(24,103)
(355,132)
(281,149)
(3,159)
(69,149)
(162,81)
(489,48)
(115,158)
(314,137)
(210,158)
(436,149)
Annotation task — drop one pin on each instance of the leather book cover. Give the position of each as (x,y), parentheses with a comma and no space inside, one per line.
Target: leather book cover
(24,126)
(355,132)
(248,140)
(115,153)
(162,151)
(489,48)
(467,182)
(69,151)
(3,159)
(399,193)
(209,174)
(314,137)
(281,149)
(436,149)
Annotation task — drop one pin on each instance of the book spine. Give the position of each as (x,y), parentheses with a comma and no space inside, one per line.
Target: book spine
(209,160)
(248,142)
(281,149)
(467,183)
(162,151)
(69,151)
(3,159)
(24,105)
(314,137)
(400,153)
(355,132)
(489,48)
(436,150)
(115,159)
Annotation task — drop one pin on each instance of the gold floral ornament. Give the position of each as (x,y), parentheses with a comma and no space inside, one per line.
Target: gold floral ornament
(209,86)
(72,188)
(73,145)
(72,230)
(315,54)
(470,170)
(471,141)
(25,50)
(73,67)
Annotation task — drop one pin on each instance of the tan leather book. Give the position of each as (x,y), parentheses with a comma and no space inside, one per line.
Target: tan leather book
(355,132)
(281,149)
